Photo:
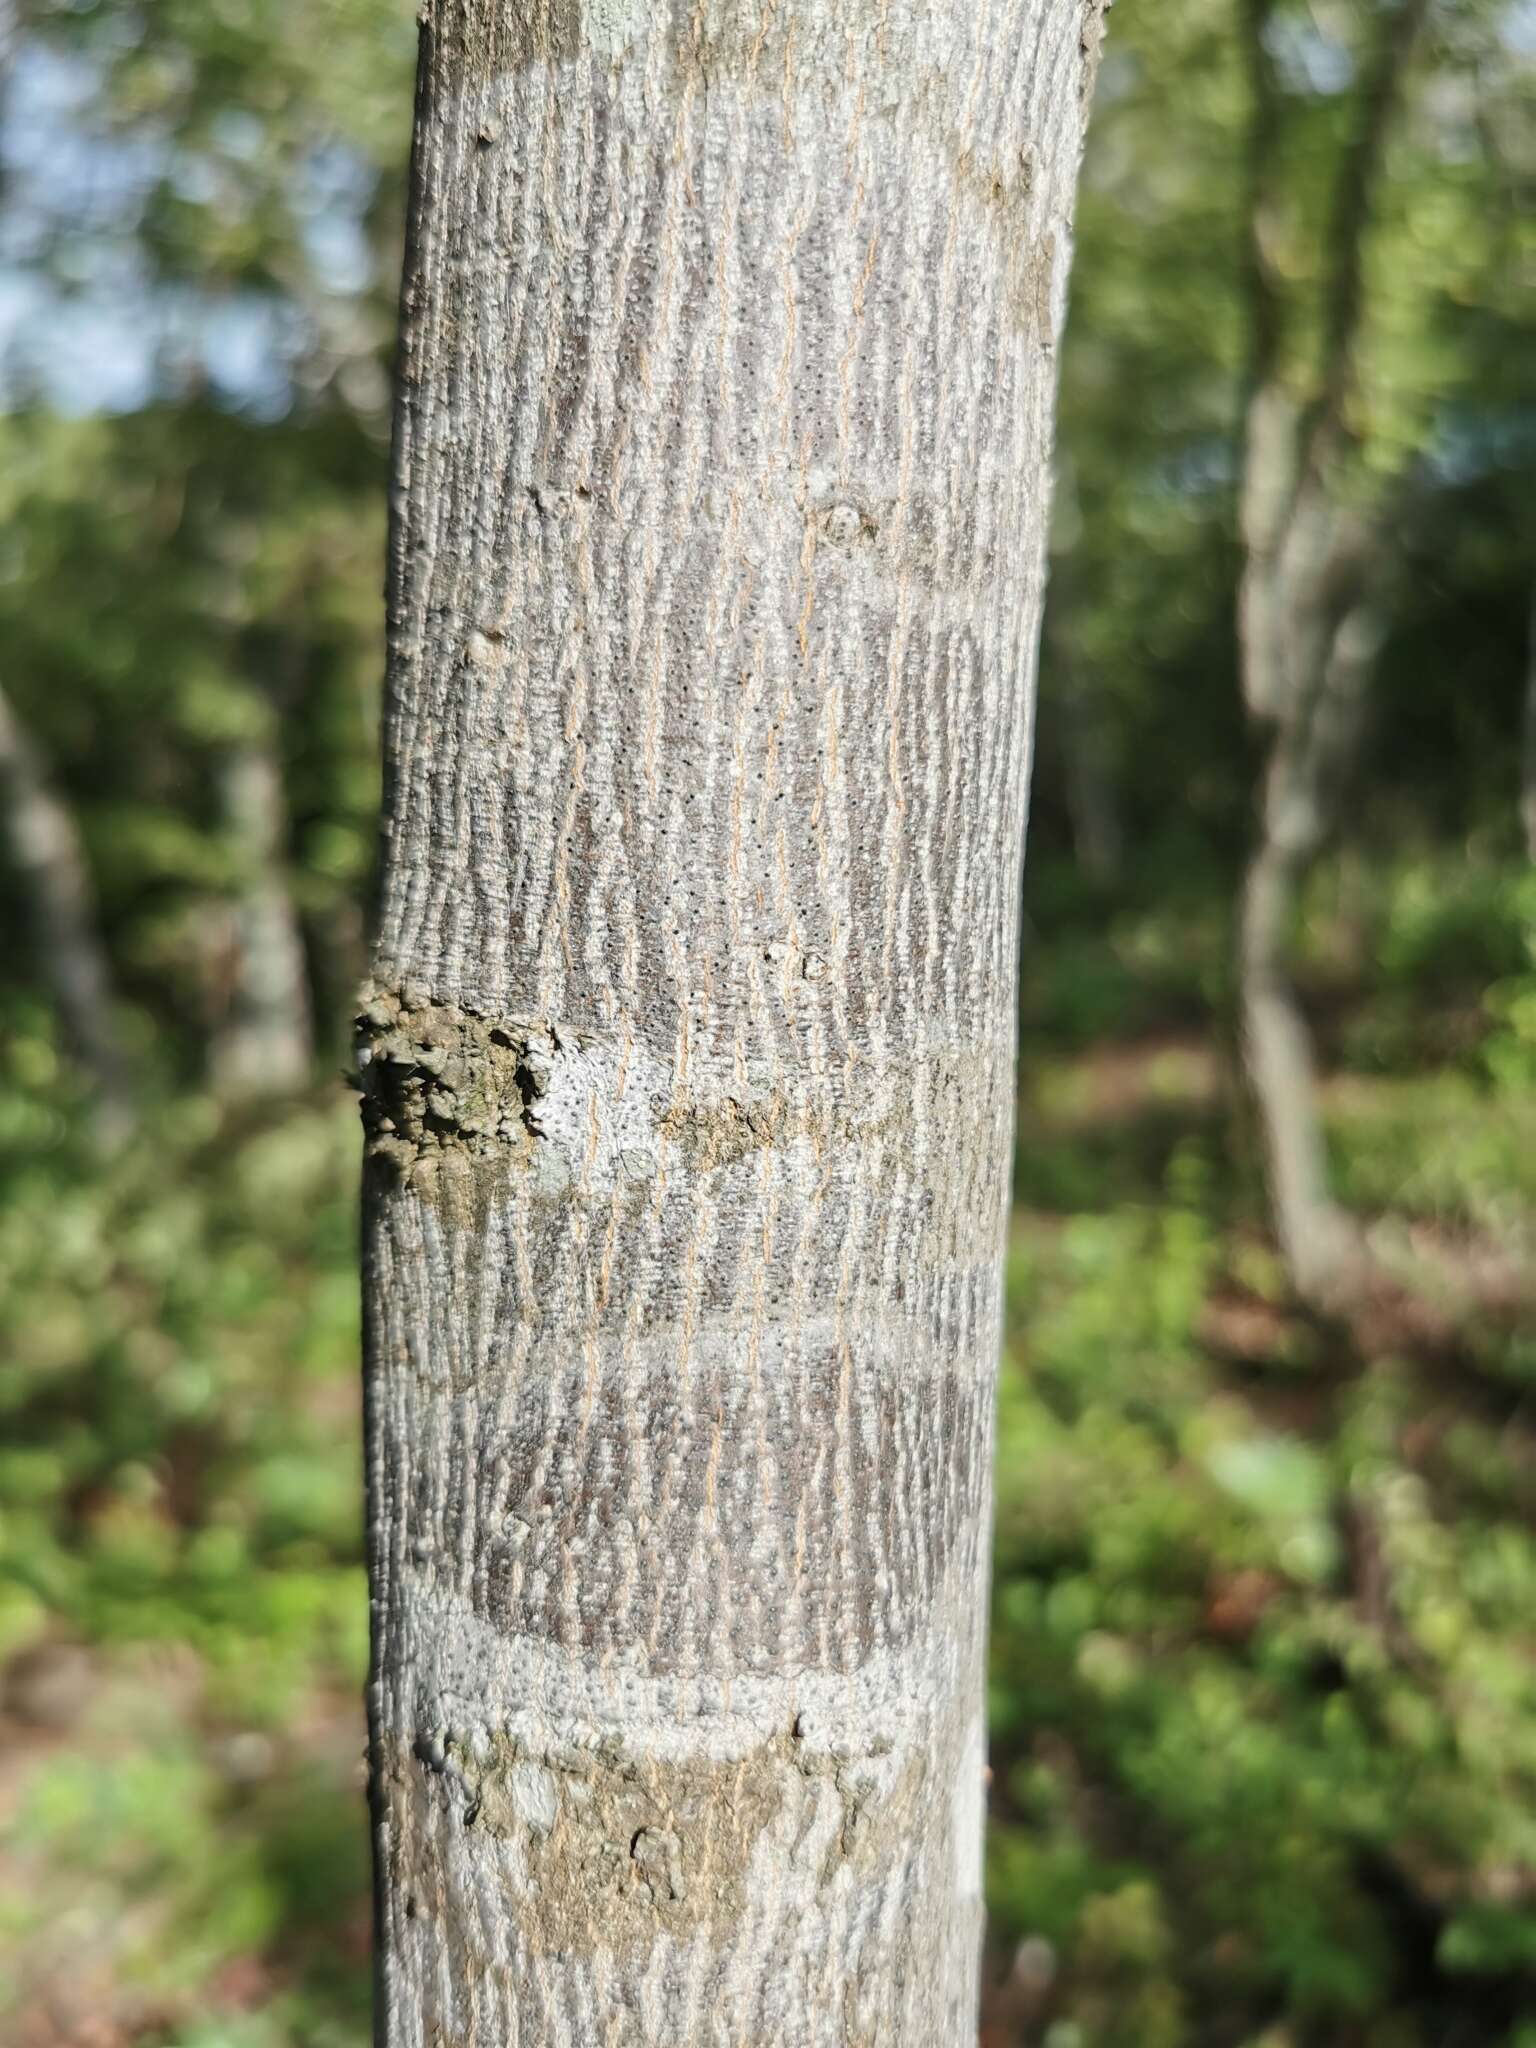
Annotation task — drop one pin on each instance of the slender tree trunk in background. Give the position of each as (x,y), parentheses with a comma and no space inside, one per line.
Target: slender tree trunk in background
(721,486)
(1528,742)
(1310,753)
(265,1043)
(1089,788)
(1310,625)
(51,864)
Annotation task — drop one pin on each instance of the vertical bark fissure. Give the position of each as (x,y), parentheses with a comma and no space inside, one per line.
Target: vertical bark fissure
(721,479)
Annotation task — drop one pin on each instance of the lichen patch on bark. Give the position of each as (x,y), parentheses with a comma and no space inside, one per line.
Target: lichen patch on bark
(447,1096)
(1091,44)
(721,1132)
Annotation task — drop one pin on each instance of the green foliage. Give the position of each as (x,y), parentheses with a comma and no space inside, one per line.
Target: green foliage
(1264,1703)
(181,1592)
(170,1457)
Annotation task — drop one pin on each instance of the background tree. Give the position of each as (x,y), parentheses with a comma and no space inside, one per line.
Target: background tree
(1312,605)
(47,855)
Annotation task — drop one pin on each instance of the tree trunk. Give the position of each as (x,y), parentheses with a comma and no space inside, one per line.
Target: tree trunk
(46,849)
(1310,753)
(721,478)
(1309,624)
(265,1043)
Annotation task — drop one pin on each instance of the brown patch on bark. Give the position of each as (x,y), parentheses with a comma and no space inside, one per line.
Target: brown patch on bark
(721,1132)
(1001,190)
(1091,43)
(879,1822)
(616,1849)
(449,1099)
(610,1848)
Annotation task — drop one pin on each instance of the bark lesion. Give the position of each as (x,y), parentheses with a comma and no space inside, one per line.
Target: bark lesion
(611,1846)
(721,1130)
(1091,45)
(439,1083)
(730,1128)
(606,1846)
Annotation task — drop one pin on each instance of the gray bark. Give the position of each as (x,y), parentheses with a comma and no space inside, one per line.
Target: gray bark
(721,481)
(51,863)
(1313,742)
(264,1044)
